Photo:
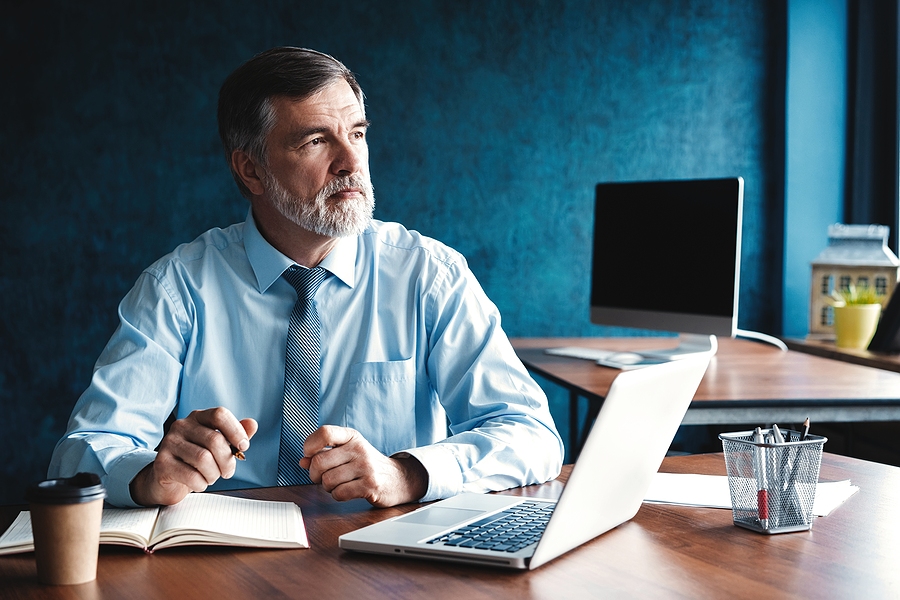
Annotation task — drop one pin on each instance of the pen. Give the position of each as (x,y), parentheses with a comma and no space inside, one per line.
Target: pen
(762,493)
(796,500)
(778,481)
(779,439)
(237,454)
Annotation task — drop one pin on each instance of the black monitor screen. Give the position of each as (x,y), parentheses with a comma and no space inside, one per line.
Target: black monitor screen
(664,249)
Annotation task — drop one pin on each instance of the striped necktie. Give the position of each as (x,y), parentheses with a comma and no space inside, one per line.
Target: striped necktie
(300,411)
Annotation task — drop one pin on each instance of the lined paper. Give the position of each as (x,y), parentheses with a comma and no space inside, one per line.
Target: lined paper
(232,517)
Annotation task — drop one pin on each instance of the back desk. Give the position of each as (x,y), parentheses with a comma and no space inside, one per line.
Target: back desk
(665,551)
(747,382)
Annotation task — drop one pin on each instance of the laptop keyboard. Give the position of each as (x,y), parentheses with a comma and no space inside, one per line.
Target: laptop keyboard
(507,531)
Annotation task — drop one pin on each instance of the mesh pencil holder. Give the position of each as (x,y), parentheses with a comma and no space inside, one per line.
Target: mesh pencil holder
(772,485)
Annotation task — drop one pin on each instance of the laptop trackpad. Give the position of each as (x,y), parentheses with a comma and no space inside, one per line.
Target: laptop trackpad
(440,516)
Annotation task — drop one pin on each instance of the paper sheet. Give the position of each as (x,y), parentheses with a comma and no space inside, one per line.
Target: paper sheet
(711,491)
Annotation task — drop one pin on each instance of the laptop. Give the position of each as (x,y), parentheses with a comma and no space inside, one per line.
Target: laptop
(622,453)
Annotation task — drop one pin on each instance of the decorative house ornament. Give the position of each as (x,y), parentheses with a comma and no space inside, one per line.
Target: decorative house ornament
(857,255)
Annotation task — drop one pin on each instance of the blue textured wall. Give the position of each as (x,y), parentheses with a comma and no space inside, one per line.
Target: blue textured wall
(815,132)
(492,123)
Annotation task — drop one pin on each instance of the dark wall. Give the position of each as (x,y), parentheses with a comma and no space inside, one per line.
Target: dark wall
(492,121)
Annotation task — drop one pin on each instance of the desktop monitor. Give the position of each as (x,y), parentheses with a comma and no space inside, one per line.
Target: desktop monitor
(666,257)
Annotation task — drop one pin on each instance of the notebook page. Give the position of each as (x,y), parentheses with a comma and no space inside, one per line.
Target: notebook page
(18,537)
(234,517)
(134,523)
(131,526)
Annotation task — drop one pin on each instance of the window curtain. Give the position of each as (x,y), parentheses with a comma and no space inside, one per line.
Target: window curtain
(873,161)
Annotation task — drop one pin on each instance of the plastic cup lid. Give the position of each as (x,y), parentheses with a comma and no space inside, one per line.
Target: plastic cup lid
(83,487)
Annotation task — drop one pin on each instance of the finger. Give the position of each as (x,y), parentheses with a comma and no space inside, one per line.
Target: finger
(182,461)
(354,460)
(327,436)
(201,447)
(328,461)
(223,420)
(170,472)
(250,426)
(358,478)
(325,441)
(350,490)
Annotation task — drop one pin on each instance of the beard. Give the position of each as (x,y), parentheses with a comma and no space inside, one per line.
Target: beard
(330,218)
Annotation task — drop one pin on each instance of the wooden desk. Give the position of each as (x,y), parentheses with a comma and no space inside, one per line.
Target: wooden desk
(879,360)
(665,551)
(747,382)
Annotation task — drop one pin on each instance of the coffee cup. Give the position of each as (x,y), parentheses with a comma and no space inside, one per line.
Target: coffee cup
(65,521)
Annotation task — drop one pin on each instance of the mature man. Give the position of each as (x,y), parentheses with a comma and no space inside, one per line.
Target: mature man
(346,346)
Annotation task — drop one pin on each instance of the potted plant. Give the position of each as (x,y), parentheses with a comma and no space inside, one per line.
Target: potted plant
(856,313)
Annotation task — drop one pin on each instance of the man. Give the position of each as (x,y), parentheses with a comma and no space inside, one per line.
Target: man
(408,344)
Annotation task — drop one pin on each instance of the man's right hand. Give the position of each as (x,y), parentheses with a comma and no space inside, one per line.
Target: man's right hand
(192,456)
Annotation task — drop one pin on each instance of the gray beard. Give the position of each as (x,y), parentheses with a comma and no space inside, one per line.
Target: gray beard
(331,219)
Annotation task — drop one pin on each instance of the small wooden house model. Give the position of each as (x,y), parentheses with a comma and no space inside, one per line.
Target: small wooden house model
(858,255)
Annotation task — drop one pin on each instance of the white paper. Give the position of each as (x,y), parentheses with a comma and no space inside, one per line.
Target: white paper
(235,518)
(711,491)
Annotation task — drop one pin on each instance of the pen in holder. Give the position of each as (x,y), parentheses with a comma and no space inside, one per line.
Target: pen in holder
(772,484)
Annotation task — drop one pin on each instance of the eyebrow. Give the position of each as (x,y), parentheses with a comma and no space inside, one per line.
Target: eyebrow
(299,134)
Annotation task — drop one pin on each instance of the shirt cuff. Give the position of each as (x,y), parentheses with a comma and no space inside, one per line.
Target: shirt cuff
(444,474)
(120,474)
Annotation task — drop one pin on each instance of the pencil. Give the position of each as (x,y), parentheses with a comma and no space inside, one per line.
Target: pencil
(237,454)
(805,429)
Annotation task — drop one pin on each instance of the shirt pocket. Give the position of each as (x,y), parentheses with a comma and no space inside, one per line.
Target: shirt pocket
(381,403)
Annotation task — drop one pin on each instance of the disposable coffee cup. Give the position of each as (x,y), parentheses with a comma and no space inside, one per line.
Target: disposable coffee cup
(65,521)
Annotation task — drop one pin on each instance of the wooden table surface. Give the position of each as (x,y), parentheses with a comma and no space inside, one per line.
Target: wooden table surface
(746,382)
(664,552)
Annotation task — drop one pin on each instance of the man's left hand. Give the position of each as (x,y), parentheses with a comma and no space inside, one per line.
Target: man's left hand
(349,467)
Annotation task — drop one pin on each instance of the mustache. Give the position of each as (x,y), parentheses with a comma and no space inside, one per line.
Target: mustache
(347,182)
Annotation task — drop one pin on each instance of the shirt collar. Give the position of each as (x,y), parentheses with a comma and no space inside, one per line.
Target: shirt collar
(341,261)
(268,263)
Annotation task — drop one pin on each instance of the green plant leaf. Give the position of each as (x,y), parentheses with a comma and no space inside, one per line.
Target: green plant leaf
(854,295)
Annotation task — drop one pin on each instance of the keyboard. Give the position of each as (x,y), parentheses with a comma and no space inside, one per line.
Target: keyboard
(508,531)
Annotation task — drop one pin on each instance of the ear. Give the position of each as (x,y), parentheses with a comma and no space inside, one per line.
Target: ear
(247,169)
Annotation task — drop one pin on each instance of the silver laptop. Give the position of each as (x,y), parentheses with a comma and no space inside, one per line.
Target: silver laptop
(623,451)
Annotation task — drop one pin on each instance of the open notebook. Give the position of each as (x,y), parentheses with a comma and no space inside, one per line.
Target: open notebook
(199,519)
(623,451)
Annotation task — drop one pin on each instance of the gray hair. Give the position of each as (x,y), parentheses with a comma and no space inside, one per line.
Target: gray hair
(246,114)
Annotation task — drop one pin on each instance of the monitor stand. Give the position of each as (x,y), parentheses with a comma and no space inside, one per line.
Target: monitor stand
(690,344)
(761,337)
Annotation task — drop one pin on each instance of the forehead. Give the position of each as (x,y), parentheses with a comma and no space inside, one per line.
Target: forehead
(332,105)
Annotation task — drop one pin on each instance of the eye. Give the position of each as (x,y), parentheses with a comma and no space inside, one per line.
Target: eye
(358,135)
(316,141)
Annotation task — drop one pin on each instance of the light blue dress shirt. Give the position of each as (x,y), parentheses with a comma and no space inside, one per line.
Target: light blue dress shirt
(413,357)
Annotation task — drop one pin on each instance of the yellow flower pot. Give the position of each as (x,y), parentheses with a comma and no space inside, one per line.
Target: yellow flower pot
(854,324)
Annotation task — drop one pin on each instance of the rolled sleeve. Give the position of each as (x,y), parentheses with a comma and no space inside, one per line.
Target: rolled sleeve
(501,432)
(119,418)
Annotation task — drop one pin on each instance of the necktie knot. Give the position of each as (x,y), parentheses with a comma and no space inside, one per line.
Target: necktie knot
(305,281)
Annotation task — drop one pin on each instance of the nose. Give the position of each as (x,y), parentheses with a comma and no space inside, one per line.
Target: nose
(349,158)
